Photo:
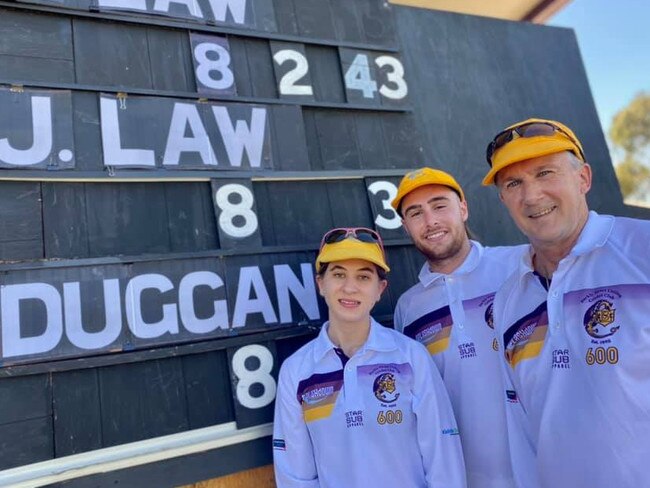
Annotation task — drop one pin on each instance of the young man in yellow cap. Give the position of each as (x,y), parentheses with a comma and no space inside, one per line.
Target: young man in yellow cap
(573,320)
(449,310)
(361,405)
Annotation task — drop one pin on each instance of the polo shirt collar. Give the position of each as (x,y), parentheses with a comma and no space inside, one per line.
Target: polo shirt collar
(594,235)
(379,339)
(428,277)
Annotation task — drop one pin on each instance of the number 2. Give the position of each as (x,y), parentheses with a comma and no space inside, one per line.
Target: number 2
(288,83)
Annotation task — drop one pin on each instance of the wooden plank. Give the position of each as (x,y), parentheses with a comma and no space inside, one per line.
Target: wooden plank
(87,137)
(207,388)
(142,400)
(288,138)
(48,37)
(348,204)
(260,65)
(403,141)
(315,19)
(263,15)
(21,69)
(285,15)
(26,442)
(371,141)
(65,223)
(338,139)
(171,63)
(111,54)
(377,21)
(21,233)
(312,139)
(24,398)
(77,419)
(299,212)
(239,64)
(126,218)
(327,78)
(347,21)
(190,215)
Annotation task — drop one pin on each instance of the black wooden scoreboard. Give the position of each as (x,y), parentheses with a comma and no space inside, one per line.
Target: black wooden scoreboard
(168,169)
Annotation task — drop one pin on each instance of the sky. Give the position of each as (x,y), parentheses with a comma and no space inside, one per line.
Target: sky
(614,38)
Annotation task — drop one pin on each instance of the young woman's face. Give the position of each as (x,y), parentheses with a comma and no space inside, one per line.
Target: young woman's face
(350,288)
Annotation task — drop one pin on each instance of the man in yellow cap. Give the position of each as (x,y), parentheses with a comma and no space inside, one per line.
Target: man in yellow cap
(572,320)
(449,310)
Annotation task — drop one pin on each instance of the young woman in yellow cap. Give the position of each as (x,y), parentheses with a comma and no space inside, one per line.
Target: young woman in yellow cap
(362,405)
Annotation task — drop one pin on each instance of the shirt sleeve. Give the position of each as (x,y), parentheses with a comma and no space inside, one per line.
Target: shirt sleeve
(398,320)
(437,431)
(293,454)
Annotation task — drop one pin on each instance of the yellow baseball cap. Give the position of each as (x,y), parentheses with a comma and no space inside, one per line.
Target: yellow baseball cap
(352,248)
(422,177)
(542,138)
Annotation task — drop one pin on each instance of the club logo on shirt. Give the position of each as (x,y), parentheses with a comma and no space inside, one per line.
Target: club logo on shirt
(599,317)
(385,388)
(489,316)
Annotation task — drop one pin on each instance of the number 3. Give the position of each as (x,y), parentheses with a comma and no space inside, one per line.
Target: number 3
(395,76)
(394,222)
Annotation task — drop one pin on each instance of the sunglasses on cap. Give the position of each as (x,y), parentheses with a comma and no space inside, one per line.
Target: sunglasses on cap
(531,129)
(362,234)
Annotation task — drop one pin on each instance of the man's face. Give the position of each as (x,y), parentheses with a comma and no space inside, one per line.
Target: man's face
(434,217)
(546,197)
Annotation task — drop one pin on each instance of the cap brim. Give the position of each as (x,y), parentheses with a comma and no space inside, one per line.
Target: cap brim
(526,148)
(352,249)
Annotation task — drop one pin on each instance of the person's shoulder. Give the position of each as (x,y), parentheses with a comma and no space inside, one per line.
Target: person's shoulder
(301,359)
(505,253)
(504,259)
(409,294)
(405,344)
(627,227)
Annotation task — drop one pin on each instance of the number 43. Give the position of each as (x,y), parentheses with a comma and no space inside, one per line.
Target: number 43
(358,77)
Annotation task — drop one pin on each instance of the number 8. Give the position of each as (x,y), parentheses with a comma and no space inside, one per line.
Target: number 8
(260,375)
(206,65)
(231,210)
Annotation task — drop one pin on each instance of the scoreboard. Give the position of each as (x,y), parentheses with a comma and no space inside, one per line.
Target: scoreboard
(168,169)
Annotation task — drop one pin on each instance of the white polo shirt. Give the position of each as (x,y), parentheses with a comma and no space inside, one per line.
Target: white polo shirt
(577,361)
(382,420)
(451,314)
